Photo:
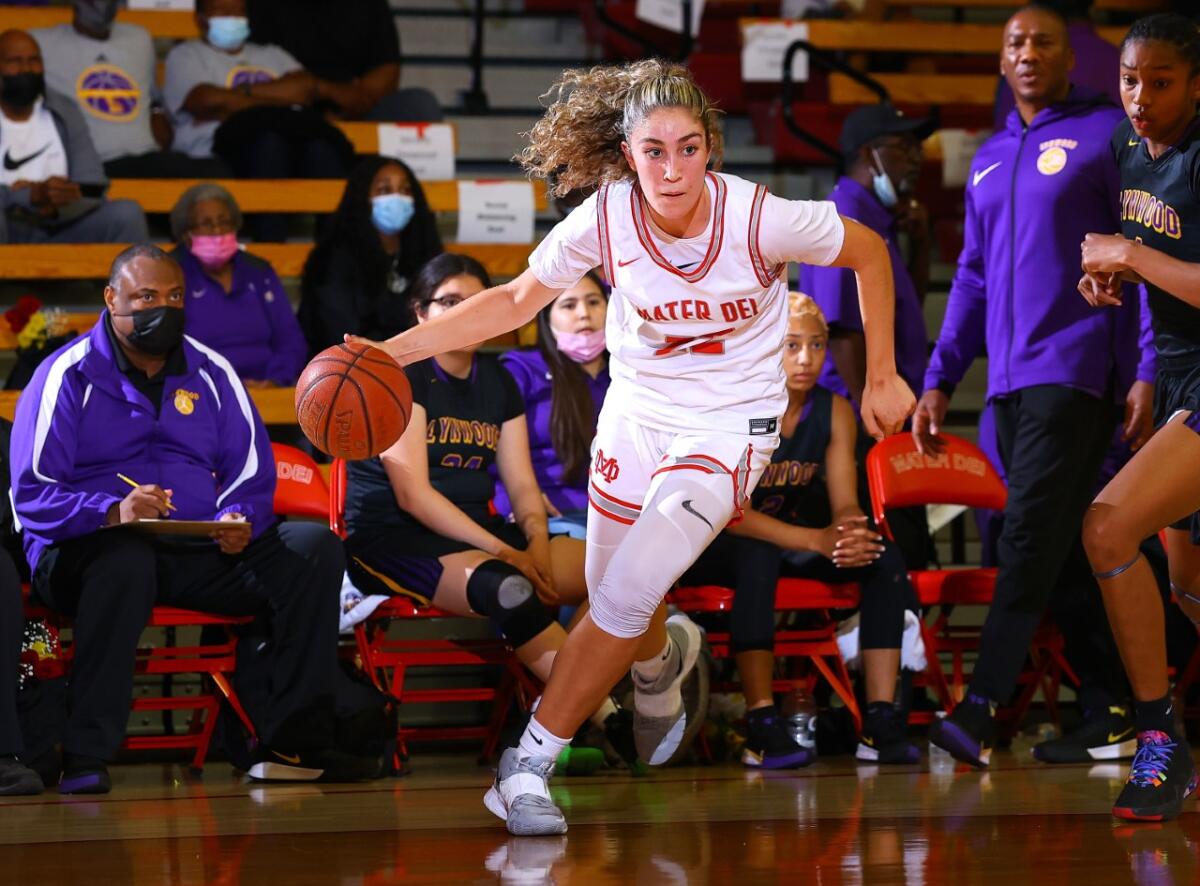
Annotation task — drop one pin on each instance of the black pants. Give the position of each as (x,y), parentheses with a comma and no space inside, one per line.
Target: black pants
(1052,441)
(753,568)
(109,581)
(166,164)
(12,623)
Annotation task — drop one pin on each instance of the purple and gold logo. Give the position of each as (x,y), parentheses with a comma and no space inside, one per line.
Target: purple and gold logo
(248,75)
(107,92)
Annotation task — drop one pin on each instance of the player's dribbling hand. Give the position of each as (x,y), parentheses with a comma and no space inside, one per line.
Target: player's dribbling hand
(1100,290)
(886,404)
(928,420)
(386,346)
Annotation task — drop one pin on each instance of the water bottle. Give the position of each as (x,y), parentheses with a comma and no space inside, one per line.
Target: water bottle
(800,711)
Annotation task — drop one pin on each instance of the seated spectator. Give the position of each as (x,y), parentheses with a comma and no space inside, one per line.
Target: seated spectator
(236,303)
(418,515)
(353,49)
(805,522)
(51,181)
(250,105)
(134,397)
(109,67)
(358,276)
(563,382)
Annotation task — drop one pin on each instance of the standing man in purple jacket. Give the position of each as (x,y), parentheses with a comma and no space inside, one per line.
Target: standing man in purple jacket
(136,397)
(1057,374)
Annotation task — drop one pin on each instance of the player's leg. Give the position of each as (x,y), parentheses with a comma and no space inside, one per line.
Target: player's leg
(1159,486)
(1183,555)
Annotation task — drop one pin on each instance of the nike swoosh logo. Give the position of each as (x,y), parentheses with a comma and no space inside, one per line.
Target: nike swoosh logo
(538,740)
(981,174)
(294,759)
(1114,737)
(10,164)
(1133,142)
(684,267)
(687,506)
(621,264)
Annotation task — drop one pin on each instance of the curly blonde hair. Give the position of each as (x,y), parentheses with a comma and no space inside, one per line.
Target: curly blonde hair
(801,306)
(577,142)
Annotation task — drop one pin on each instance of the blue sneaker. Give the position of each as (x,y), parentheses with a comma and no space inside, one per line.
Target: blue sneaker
(1161,778)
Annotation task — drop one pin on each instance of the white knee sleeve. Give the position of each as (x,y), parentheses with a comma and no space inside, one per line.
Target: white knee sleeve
(683,515)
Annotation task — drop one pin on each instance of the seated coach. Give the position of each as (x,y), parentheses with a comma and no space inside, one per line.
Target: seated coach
(134,397)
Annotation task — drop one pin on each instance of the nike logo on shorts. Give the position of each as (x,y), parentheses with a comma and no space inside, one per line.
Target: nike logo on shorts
(687,506)
(621,264)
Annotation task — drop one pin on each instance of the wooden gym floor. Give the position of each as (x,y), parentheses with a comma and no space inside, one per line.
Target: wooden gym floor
(835,823)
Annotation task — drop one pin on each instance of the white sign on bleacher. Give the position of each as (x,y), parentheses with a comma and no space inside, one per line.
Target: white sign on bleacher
(428,148)
(188,5)
(668,14)
(764,45)
(958,150)
(495,212)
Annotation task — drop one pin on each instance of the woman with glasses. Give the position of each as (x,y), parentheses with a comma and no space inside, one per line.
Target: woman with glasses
(366,258)
(235,303)
(420,518)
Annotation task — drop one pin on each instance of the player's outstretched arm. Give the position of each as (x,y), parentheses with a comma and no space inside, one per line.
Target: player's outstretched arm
(492,312)
(887,400)
(1114,254)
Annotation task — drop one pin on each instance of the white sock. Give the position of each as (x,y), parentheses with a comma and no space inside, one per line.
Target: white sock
(537,741)
(646,672)
(603,712)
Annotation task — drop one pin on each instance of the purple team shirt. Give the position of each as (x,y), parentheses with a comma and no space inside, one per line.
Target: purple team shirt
(836,291)
(529,370)
(252,326)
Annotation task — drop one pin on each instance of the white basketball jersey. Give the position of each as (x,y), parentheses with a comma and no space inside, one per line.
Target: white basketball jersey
(697,347)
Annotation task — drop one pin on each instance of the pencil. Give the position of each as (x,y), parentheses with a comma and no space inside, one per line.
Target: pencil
(137,485)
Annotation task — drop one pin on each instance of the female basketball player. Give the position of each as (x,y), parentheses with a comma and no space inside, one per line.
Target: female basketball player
(695,330)
(1158,151)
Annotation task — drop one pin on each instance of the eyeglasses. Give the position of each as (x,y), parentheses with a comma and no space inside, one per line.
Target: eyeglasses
(446,302)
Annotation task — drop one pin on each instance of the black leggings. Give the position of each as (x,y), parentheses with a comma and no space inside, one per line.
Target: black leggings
(753,568)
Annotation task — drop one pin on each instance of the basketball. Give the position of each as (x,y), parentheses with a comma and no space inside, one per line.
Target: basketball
(353,401)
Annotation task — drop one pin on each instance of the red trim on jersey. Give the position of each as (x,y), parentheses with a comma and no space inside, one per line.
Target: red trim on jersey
(602,233)
(716,238)
(609,514)
(613,498)
(766,276)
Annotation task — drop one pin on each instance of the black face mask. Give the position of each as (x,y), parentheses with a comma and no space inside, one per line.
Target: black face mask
(21,90)
(155,330)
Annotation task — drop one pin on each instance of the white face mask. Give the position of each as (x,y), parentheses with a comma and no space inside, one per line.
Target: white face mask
(882,183)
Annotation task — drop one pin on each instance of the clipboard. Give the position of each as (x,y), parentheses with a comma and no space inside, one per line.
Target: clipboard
(194,528)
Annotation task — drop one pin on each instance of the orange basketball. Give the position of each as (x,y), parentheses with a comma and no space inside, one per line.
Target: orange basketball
(353,401)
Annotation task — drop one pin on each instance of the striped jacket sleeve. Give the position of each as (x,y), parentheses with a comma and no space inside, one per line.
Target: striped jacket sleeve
(46,431)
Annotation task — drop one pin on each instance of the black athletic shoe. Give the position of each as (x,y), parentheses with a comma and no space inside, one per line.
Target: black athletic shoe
(1106,734)
(769,745)
(84,775)
(885,739)
(329,765)
(968,733)
(17,779)
(1161,778)
(618,732)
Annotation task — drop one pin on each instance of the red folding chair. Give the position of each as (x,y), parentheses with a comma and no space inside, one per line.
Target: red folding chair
(388,660)
(300,490)
(900,476)
(816,644)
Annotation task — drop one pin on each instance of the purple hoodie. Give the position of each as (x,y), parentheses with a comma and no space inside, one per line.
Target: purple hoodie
(81,421)
(528,368)
(1031,197)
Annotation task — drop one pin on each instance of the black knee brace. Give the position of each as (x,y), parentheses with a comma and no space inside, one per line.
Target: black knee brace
(503,594)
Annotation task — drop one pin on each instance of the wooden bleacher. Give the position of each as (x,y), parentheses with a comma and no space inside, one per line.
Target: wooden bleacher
(172,24)
(276,405)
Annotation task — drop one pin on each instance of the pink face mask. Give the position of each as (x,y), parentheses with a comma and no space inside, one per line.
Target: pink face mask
(582,347)
(214,251)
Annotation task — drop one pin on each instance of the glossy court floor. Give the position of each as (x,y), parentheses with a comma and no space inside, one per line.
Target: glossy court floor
(835,823)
